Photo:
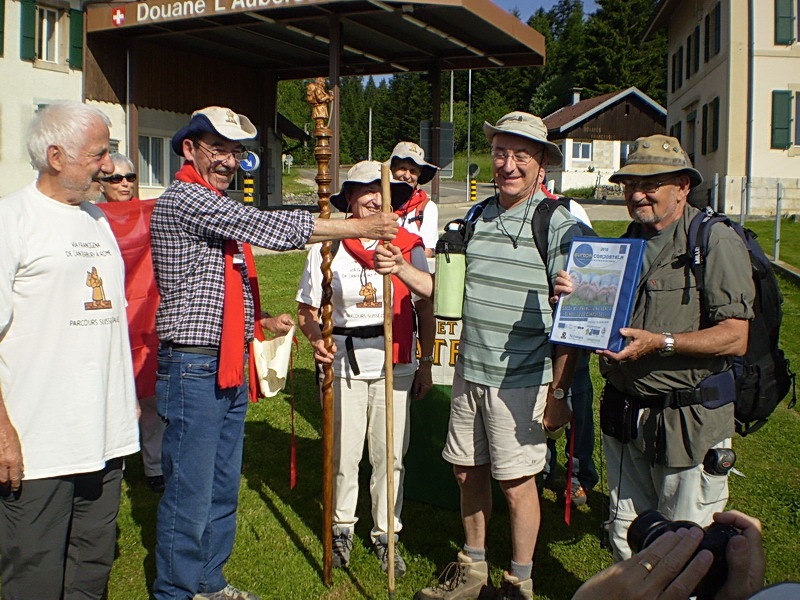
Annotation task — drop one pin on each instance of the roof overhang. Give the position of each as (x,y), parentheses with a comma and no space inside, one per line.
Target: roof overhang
(292,38)
(660,17)
(631,91)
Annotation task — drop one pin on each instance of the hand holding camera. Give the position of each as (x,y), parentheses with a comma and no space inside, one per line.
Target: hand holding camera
(673,561)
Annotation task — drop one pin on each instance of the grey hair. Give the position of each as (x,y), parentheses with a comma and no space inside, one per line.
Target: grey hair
(63,124)
(120,160)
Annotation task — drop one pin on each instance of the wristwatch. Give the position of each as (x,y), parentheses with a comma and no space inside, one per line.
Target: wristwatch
(669,344)
(559,393)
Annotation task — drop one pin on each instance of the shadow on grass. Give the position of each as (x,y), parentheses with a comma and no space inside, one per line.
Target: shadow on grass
(144,504)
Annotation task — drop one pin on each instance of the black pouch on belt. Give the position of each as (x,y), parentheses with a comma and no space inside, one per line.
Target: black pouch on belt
(618,413)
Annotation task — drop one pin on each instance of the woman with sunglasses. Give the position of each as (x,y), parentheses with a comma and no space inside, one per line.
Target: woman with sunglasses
(118,187)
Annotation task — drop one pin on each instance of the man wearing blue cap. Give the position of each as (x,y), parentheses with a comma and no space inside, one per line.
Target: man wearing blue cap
(204,271)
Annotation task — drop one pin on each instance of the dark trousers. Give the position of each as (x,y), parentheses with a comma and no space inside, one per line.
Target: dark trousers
(57,535)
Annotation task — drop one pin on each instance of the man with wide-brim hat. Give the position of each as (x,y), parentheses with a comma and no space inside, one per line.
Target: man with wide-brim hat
(673,375)
(419,214)
(207,316)
(510,383)
(359,404)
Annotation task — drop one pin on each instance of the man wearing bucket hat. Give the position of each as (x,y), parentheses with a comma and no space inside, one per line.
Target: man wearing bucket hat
(206,280)
(510,382)
(358,359)
(419,215)
(659,420)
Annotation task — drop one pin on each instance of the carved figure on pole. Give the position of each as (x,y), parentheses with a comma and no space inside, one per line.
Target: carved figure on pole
(318,97)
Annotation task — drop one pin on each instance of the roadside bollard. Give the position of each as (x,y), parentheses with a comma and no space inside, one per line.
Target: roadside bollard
(248,189)
(473,190)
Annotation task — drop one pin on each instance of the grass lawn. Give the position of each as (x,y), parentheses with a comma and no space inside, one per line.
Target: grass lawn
(278,552)
(291,185)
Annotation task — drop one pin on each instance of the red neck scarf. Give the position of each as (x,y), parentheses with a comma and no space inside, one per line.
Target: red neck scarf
(231,352)
(415,205)
(402,310)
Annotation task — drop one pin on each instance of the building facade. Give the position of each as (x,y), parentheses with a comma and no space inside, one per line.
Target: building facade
(733,98)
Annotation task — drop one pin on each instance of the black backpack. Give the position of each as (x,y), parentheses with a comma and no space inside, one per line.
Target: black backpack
(540,222)
(763,377)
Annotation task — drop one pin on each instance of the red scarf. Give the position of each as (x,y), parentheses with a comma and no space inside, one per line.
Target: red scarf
(402,310)
(415,205)
(231,352)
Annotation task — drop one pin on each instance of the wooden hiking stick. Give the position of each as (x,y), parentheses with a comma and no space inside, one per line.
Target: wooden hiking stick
(322,152)
(386,206)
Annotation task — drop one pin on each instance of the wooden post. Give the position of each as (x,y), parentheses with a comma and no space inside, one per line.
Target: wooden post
(388,364)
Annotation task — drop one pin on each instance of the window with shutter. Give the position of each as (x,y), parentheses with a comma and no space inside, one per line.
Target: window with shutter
(2,25)
(27,37)
(76,39)
(717,28)
(715,124)
(704,131)
(707,40)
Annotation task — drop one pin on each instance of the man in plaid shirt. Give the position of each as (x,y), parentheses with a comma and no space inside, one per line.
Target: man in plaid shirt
(195,229)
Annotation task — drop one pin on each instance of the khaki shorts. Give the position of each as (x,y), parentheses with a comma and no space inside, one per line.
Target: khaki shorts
(497,426)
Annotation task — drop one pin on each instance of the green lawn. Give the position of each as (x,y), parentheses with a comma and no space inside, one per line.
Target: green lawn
(278,552)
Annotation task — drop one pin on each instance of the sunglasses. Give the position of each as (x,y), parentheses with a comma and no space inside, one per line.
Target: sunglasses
(131,177)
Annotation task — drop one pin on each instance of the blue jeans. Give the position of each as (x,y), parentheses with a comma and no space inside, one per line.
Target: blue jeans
(201,456)
(581,395)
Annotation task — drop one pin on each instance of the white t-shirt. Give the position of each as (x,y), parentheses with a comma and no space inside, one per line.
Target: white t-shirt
(65,361)
(353,306)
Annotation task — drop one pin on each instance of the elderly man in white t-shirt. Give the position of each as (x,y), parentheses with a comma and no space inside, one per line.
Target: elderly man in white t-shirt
(67,397)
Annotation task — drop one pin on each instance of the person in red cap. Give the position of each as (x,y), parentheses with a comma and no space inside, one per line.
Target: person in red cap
(204,271)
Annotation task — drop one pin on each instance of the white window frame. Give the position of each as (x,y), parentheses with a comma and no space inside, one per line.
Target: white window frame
(48,52)
(624,150)
(578,151)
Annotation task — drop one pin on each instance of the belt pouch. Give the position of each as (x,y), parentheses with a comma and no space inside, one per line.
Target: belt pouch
(618,413)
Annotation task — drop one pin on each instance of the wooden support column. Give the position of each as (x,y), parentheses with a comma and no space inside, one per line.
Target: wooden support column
(269,175)
(436,127)
(132,110)
(335,68)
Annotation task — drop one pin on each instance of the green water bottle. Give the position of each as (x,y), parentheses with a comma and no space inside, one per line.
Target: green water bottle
(451,267)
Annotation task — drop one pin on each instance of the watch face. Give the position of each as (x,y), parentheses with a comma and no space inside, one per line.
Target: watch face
(559,394)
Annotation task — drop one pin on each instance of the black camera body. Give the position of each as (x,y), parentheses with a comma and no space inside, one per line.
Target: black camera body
(651,524)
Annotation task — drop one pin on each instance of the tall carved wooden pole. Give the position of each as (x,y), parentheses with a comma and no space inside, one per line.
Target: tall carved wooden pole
(318,97)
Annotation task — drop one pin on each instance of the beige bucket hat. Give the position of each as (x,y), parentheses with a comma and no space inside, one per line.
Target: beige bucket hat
(528,126)
(368,171)
(415,154)
(215,119)
(657,155)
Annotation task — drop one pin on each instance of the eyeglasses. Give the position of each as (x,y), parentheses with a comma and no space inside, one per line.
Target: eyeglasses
(130,177)
(218,156)
(521,158)
(647,187)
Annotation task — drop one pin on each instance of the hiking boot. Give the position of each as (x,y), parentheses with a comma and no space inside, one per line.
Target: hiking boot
(577,494)
(228,593)
(382,550)
(465,579)
(512,588)
(342,545)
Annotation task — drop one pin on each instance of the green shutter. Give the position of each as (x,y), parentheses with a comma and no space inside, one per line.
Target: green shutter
(76,39)
(717,28)
(704,134)
(784,22)
(27,38)
(707,40)
(781,119)
(2,24)
(715,124)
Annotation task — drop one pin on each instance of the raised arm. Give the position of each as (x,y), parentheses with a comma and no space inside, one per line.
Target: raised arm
(389,261)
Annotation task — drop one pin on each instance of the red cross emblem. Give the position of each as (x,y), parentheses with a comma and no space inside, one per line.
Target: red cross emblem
(118,16)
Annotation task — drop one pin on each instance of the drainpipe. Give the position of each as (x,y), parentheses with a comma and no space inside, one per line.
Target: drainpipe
(748,166)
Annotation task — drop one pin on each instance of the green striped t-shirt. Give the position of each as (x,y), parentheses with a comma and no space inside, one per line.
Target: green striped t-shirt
(507,316)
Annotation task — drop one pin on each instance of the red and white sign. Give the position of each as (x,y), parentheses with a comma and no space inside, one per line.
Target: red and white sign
(118,16)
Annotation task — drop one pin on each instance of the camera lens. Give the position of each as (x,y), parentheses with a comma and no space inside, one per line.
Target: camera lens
(651,524)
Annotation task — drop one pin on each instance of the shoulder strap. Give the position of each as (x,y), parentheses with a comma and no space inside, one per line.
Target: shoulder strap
(540,222)
(697,246)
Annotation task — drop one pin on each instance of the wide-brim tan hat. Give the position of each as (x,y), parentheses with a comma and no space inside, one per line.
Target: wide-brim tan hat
(368,171)
(415,154)
(657,155)
(215,119)
(528,126)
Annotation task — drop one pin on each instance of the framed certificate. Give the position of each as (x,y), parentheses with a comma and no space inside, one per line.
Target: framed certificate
(605,274)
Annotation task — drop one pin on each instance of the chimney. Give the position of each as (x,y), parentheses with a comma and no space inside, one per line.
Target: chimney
(576,94)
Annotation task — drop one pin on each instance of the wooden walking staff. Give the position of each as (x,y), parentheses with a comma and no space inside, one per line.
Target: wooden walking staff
(318,97)
(388,366)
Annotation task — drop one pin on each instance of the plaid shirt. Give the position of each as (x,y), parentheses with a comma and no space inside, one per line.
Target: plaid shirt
(188,230)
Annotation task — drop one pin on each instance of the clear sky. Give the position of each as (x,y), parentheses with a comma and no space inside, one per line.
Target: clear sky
(528,7)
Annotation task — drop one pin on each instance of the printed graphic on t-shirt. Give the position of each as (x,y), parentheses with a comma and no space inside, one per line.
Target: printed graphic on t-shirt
(99,302)
(369,293)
